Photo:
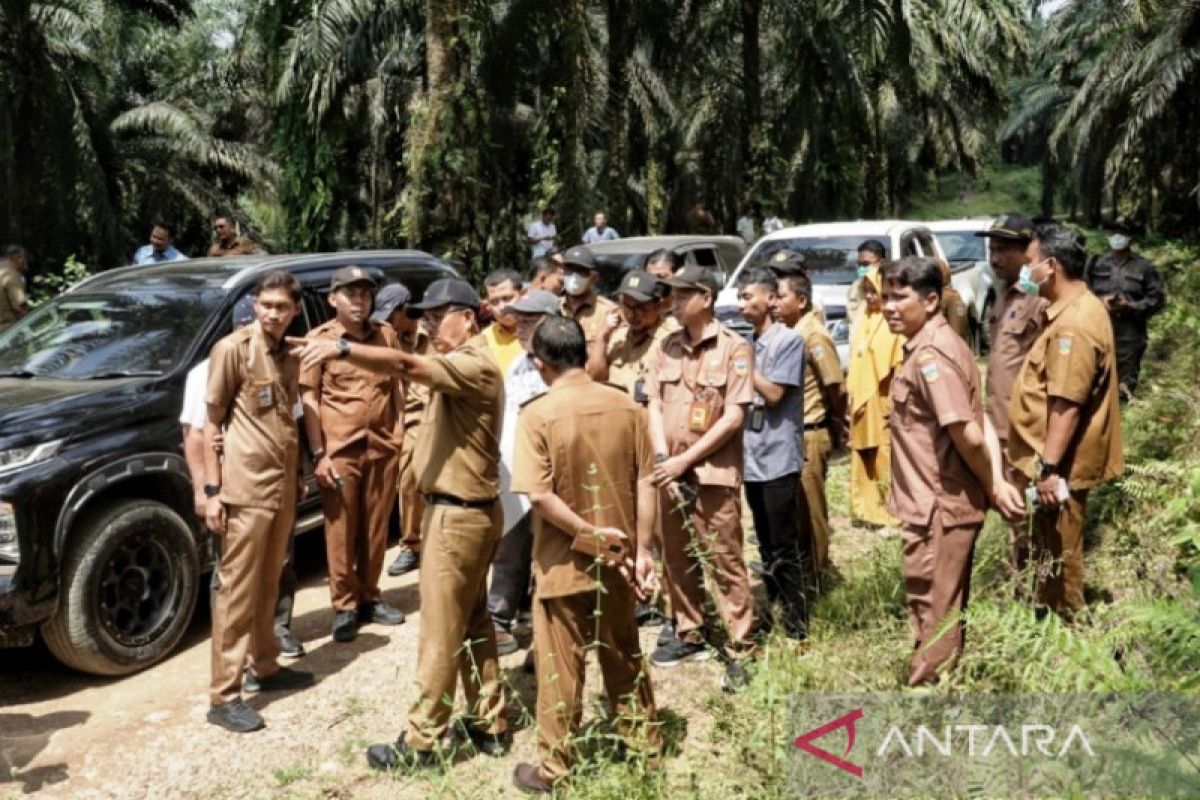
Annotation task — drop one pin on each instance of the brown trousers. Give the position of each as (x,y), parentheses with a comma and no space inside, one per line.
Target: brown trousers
(253,550)
(713,548)
(937,582)
(356,525)
(456,636)
(412,505)
(818,447)
(1056,550)
(564,629)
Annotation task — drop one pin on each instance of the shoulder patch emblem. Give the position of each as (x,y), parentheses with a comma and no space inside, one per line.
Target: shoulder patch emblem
(741,365)
(962,311)
(929,370)
(818,351)
(1065,343)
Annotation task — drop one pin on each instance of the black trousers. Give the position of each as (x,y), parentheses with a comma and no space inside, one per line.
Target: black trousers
(512,569)
(287,586)
(776,508)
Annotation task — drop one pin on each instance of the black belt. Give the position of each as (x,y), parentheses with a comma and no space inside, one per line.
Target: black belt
(438,499)
(814,426)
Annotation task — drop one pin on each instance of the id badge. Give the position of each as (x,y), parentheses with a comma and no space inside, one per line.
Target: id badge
(265,395)
(698,417)
(639,392)
(757,419)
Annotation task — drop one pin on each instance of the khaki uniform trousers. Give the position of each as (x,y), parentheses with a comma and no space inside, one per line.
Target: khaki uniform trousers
(1055,549)
(356,525)
(712,548)
(937,582)
(564,629)
(412,505)
(870,479)
(818,447)
(456,636)
(253,550)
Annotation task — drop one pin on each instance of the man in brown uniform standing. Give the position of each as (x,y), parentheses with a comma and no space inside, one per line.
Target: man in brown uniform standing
(458,465)
(14,301)
(580,301)
(943,474)
(252,389)
(1065,432)
(228,242)
(699,390)
(584,458)
(354,421)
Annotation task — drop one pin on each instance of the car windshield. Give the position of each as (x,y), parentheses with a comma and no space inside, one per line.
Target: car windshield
(834,258)
(962,245)
(93,336)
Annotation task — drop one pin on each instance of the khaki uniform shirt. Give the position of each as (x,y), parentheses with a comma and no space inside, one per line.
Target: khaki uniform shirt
(590,314)
(955,310)
(12,294)
(416,395)
(356,403)
(252,396)
(631,360)
(1074,359)
(937,386)
(458,446)
(1016,322)
(823,367)
(241,246)
(588,444)
(720,364)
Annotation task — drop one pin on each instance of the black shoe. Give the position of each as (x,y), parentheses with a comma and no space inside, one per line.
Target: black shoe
(647,615)
(677,651)
(406,561)
(289,645)
(667,634)
(345,626)
(530,665)
(235,716)
(399,756)
(735,679)
(506,643)
(528,778)
(494,745)
(380,613)
(281,681)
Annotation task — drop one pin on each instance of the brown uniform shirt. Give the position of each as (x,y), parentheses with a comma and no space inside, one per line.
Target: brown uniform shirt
(241,246)
(252,396)
(720,364)
(588,444)
(356,403)
(1016,322)
(1074,359)
(12,294)
(590,315)
(631,360)
(823,366)
(458,446)
(416,395)
(955,310)
(937,386)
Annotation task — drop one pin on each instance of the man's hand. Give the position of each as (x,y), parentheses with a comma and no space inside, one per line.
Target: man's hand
(645,582)
(612,321)
(301,488)
(218,442)
(669,471)
(214,515)
(1047,491)
(326,474)
(199,502)
(610,546)
(312,352)
(1008,501)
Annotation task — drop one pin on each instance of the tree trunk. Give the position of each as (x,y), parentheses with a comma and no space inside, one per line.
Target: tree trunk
(752,94)
(615,172)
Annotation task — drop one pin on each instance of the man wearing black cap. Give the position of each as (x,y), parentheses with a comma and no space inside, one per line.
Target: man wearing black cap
(354,419)
(458,463)
(581,303)
(1132,291)
(391,306)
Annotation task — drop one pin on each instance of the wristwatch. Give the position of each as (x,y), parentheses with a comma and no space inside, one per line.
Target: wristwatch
(660,458)
(1047,470)
(343,348)
(317,454)
(212,489)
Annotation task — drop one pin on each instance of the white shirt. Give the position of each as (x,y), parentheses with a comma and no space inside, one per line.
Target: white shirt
(772,224)
(540,230)
(521,384)
(594,234)
(745,229)
(195,409)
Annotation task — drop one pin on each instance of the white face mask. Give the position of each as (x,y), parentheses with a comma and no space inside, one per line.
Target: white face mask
(575,284)
(1118,241)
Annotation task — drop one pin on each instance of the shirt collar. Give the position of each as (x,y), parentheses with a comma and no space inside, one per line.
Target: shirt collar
(568,381)
(264,341)
(710,332)
(369,329)
(926,333)
(1057,306)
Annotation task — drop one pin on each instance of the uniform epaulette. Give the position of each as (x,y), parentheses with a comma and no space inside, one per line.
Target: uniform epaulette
(532,400)
(620,389)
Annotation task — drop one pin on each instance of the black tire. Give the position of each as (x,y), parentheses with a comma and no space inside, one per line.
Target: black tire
(129,586)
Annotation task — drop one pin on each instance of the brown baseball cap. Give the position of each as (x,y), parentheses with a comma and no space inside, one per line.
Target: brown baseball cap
(639,285)
(580,256)
(351,274)
(694,276)
(1013,227)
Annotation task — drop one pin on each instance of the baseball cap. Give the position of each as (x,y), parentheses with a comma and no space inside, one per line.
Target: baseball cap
(351,274)
(389,299)
(1013,227)
(639,285)
(447,292)
(535,301)
(243,312)
(695,277)
(786,262)
(580,256)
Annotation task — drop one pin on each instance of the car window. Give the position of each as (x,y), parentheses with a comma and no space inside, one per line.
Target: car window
(833,258)
(705,257)
(962,246)
(908,245)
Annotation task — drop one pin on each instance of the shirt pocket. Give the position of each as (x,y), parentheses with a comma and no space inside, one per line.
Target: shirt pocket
(261,396)
(714,372)
(671,372)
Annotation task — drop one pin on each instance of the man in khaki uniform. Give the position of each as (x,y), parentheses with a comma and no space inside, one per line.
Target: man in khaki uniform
(584,458)
(251,397)
(942,469)
(954,308)
(458,462)
(1065,434)
(14,302)
(354,421)
(699,390)
(228,242)
(824,406)
(391,306)
(580,301)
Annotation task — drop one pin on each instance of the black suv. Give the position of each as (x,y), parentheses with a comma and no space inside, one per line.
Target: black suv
(99,544)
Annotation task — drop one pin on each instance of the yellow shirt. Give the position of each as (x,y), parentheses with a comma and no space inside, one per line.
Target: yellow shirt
(505,346)
(875,352)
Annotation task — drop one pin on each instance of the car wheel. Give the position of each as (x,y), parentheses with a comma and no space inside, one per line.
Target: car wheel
(129,585)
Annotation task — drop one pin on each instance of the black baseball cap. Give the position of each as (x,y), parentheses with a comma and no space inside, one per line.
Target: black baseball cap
(695,277)
(639,285)
(446,292)
(580,256)
(535,301)
(389,299)
(352,274)
(1013,227)
(786,262)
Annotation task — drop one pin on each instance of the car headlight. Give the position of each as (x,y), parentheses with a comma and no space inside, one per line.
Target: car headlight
(9,547)
(17,458)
